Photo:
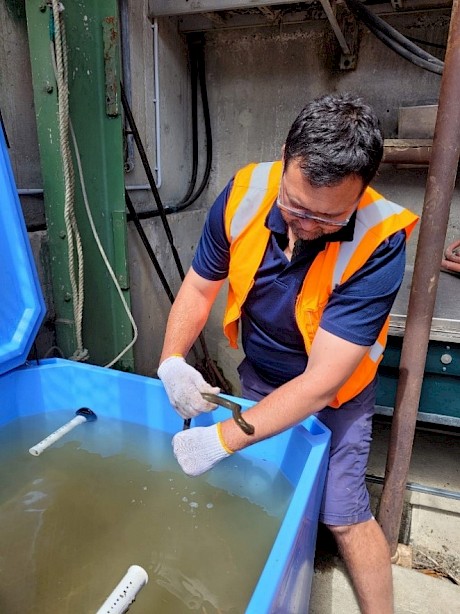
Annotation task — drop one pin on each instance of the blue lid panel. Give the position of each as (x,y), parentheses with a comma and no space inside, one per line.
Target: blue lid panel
(22,306)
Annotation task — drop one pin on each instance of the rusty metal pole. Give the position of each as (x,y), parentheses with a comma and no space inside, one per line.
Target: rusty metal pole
(440,185)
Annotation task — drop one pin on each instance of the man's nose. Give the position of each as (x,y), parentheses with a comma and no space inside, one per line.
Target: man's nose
(308,224)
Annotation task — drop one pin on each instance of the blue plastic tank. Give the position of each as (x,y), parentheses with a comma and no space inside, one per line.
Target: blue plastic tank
(300,453)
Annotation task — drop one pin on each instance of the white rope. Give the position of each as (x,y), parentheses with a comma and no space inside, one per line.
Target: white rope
(102,252)
(65,126)
(75,249)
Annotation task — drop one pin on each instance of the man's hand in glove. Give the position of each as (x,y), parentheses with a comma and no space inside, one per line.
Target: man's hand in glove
(184,385)
(198,449)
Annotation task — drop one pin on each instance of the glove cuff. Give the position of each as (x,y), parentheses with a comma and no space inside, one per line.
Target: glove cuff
(222,440)
(199,449)
(170,359)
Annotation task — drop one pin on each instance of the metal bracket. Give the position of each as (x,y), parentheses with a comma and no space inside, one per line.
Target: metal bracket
(111,37)
(345,29)
(330,14)
(350,30)
(119,243)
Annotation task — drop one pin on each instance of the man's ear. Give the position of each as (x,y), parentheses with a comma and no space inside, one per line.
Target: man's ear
(282,152)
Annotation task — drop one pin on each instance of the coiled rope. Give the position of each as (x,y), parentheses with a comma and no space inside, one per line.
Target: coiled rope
(59,55)
(75,249)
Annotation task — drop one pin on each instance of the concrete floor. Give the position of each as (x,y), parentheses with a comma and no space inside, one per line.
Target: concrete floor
(415,593)
(435,458)
(430,526)
(432,506)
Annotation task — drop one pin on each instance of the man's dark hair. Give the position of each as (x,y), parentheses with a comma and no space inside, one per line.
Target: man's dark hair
(335,136)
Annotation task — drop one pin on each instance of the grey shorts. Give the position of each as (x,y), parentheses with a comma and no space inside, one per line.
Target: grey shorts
(345,499)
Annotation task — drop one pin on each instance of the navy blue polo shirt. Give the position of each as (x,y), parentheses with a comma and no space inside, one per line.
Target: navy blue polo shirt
(271,339)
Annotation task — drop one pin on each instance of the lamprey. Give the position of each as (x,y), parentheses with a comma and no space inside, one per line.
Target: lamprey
(233,407)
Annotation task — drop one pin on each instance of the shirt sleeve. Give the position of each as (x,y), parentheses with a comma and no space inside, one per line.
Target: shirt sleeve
(357,309)
(212,256)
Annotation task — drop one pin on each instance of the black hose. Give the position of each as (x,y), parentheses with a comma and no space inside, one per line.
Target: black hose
(215,376)
(370,19)
(193,84)
(426,43)
(404,53)
(208,133)
(197,66)
(394,39)
(151,180)
(4,130)
(148,247)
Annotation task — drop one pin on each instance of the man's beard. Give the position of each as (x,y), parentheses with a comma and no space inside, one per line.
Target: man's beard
(305,235)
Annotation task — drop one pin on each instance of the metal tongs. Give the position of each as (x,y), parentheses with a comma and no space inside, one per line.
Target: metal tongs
(235,408)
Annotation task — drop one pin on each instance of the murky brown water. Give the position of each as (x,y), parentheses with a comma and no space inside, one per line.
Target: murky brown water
(110,495)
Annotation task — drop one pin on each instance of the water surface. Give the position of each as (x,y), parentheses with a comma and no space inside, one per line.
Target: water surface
(109,495)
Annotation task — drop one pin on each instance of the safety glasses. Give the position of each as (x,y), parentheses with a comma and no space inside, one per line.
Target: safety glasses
(304,214)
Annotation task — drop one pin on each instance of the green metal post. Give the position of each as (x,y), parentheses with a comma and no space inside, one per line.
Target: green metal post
(93,52)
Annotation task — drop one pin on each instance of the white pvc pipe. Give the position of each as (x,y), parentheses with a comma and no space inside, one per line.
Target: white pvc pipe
(60,432)
(156,101)
(39,191)
(125,592)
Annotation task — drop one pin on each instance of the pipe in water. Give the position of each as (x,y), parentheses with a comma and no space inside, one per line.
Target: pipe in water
(82,415)
(123,595)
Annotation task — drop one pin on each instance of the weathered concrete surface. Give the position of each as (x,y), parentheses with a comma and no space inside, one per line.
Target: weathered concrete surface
(415,593)
(257,79)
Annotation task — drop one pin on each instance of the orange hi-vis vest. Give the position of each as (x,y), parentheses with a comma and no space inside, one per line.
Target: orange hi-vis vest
(255,188)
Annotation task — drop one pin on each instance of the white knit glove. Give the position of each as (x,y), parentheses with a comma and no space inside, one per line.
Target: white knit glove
(184,385)
(198,449)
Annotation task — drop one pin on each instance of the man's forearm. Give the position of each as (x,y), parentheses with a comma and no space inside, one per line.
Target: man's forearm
(189,314)
(331,363)
(280,410)
(185,323)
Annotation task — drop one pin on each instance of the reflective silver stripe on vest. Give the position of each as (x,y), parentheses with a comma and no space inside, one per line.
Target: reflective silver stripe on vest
(366,218)
(375,351)
(251,201)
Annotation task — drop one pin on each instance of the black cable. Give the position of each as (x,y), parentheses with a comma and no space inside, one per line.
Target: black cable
(196,47)
(194,89)
(208,132)
(151,180)
(154,260)
(33,354)
(426,43)
(411,57)
(394,39)
(216,376)
(217,379)
(148,247)
(4,130)
(369,18)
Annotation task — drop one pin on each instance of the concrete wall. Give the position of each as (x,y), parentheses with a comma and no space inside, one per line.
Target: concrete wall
(257,80)
(16,103)
(260,78)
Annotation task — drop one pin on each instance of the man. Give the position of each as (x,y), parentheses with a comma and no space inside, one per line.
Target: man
(314,259)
